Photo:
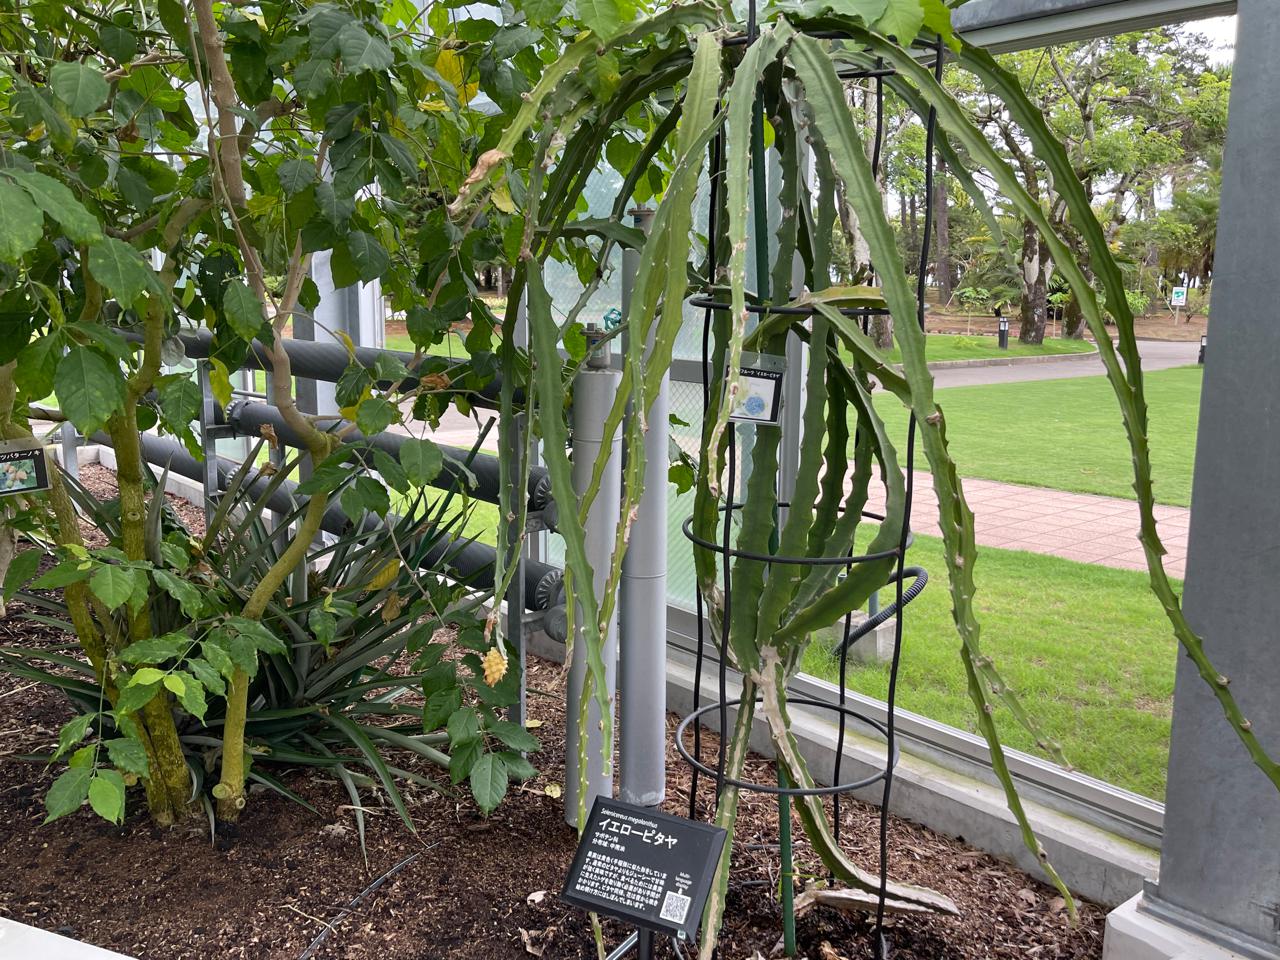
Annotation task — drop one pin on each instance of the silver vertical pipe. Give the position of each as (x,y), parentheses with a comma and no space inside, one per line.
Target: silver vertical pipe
(593,393)
(70,444)
(643,603)
(208,444)
(515,598)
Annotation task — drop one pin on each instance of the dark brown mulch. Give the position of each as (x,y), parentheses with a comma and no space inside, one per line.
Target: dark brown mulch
(478,888)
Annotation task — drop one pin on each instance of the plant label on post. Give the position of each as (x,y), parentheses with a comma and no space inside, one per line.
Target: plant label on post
(24,467)
(760,388)
(644,867)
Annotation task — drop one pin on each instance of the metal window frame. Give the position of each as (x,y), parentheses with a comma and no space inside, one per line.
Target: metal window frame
(1003,26)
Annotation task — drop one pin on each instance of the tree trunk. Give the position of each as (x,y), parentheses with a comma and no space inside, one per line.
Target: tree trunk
(1073,324)
(944,270)
(882,332)
(915,225)
(1034,309)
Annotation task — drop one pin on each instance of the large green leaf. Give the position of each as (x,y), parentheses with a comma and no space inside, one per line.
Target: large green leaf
(362,51)
(81,87)
(128,755)
(155,649)
(68,792)
(89,388)
(56,199)
(605,17)
(256,633)
(335,207)
(120,268)
(106,795)
(902,20)
(489,782)
(21,569)
(242,309)
(370,257)
(295,176)
(422,461)
(23,223)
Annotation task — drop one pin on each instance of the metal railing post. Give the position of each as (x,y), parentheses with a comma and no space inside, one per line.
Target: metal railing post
(515,597)
(642,727)
(208,439)
(593,393)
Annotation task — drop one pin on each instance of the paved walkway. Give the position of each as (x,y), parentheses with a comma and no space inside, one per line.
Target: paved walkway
(1074,526)
(1156,355)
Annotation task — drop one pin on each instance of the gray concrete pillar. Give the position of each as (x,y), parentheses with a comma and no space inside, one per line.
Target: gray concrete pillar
(1220,860)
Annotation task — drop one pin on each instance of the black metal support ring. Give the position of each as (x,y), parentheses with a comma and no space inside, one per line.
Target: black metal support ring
(710,303)
(788,791)
(687,529)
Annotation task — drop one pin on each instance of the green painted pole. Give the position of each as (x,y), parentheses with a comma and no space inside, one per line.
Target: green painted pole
(787,875)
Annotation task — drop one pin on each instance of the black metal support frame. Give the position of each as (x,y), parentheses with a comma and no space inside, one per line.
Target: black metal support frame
(903,595)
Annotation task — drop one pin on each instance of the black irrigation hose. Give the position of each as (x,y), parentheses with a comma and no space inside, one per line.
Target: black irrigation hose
(852,636)
(351,907)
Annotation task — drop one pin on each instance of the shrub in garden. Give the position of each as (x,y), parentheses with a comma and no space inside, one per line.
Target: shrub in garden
(332,672)
(172,166)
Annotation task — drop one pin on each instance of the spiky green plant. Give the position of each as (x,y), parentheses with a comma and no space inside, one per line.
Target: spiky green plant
(341,660)
(709,87)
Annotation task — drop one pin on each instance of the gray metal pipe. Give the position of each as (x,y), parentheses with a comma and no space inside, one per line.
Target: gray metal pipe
(642,725)
(309,360)
(249,417)
(473,562)
(593,393)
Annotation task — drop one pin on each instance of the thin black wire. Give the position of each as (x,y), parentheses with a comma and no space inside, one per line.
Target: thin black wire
(717,149)
(881,948)
(876,150)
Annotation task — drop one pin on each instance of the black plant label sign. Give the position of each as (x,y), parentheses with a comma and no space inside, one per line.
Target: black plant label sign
(644,867)
(24,467)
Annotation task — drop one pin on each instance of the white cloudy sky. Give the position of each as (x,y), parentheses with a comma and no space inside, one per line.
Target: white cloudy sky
(1222,32)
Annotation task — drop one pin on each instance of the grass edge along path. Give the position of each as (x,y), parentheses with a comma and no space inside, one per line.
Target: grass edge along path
(960,346)
(1086,647)
(1066,434)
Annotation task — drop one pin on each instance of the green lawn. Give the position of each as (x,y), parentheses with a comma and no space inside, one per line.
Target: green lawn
(1067,434)
(1086,647)
(450,346)
(957,346)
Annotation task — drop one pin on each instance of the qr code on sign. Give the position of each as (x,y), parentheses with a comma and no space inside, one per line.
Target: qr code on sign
(675,907)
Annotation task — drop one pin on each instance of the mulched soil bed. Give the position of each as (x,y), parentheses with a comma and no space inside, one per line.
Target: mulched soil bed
(477,888)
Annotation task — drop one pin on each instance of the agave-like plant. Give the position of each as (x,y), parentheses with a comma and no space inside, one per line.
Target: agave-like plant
(343,658)
(691,69)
